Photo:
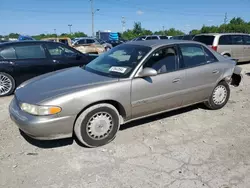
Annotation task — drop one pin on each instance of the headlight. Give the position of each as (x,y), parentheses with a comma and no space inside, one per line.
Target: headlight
(40,110)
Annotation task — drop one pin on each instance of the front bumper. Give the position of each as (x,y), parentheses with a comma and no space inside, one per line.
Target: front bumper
(41,127)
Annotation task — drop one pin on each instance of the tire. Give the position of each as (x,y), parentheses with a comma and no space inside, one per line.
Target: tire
(107,49)
(89,130)
(9,83)
(216,101)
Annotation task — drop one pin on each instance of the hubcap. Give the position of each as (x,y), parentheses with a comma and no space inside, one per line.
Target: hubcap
(220,94)
(99,125)
(5,84)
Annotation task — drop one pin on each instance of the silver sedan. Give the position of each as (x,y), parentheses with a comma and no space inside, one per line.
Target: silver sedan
(131,81)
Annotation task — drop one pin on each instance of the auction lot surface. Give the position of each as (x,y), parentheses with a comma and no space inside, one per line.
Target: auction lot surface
(187,148)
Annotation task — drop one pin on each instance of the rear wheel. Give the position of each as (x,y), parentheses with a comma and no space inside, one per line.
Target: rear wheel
(7,84)
(97,125)
(219,97)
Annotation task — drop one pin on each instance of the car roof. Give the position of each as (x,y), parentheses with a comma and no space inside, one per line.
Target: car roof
(158,43)
(26,42)
(220,34)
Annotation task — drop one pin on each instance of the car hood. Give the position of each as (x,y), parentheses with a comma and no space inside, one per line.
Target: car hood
(64,81)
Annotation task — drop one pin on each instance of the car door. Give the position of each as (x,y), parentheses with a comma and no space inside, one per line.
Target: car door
(237,47)
(31,61)
(62,56)
(202,72)
(247,47)
(161,92)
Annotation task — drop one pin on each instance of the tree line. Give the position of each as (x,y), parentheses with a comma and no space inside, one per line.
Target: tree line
(235,25)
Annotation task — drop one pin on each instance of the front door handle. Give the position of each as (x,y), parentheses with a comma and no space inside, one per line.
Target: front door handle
(176,80)
(216,71)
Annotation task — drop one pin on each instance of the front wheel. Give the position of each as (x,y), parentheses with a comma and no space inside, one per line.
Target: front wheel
(97,125)
(219,97)
(7,84)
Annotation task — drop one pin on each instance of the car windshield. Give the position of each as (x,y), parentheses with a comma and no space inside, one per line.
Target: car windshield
(100,41)
(119,61)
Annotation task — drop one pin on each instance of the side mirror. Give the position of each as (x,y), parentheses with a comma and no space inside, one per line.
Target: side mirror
(146,72)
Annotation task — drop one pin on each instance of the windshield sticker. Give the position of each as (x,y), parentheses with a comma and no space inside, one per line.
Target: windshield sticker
(118,69)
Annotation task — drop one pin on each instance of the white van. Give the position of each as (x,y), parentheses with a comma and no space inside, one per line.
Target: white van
(234,45)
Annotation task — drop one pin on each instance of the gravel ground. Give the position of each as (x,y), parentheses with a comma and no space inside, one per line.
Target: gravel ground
(188,148)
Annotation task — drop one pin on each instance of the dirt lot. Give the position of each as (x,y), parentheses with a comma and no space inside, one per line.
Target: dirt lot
(188,148)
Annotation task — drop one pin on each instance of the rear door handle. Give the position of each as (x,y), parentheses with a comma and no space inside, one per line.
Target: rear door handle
(176,80)
(216,71)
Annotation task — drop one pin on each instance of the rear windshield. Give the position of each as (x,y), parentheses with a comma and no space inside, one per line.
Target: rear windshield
(206,39)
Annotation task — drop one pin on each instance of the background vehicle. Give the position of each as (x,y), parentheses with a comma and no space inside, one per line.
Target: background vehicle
(85,45)
(20,61)
(177,37)
(234,45)
(89,40)
(89,45)
(131,81)
(115,42)
(106,44)
(23,37)
(151,37)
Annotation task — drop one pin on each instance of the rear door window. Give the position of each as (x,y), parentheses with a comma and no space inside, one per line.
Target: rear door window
(193,55)
(210,58)
(225,40)
(237,39)
(59,51)
(149,38)
(33,51)
(8,53)
(205,39)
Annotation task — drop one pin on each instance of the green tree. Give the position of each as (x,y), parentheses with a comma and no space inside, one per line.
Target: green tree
(236,24)
(174,32)
(13,35)
(237,21)
(137,28)
(194,32)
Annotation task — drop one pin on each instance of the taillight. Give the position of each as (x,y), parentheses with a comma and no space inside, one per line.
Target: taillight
(214,48)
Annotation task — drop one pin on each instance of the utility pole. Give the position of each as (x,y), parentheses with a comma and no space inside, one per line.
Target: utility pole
(225,22)
(70,25)
(92,14)
(55,32)
(225,18)
(123,23)
(163,30)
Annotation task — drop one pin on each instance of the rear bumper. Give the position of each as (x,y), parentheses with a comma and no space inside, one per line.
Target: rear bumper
(41,127)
